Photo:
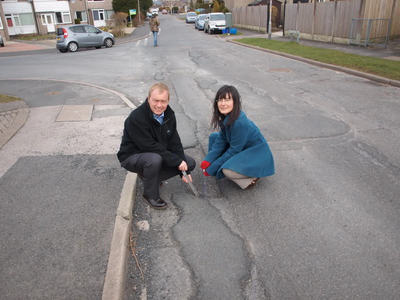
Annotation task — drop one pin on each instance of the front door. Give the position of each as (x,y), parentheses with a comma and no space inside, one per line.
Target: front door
(48,20)
(13,24)
(98,17)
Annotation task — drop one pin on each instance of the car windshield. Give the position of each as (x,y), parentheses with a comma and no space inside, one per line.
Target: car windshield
(217,17)
(202,17)
(191,14)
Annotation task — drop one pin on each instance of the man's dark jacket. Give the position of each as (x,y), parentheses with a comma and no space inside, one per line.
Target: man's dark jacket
(143,133)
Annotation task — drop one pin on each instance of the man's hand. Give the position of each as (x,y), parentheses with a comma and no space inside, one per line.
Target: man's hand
(185,180)
(183,166)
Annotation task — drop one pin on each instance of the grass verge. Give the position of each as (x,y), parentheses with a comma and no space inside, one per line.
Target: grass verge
(372,65)
(7,98)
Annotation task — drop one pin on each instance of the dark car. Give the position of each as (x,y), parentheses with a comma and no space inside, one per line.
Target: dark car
(1,41)
(73,37)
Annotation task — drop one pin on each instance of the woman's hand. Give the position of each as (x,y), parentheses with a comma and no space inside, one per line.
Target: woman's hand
(204,165)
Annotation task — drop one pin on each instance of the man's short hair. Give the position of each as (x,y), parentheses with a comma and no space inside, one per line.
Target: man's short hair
(161,87)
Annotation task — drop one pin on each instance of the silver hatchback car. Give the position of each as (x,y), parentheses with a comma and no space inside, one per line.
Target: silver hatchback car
(73,37)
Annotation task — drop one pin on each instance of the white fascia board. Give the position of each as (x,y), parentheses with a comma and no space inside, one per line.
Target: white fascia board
(17,7)
(50,5)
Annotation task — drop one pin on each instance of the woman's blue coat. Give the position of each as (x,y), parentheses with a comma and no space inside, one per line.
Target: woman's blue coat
(240,148)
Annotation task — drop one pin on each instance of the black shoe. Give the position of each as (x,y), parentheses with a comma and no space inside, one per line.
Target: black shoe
(156,204)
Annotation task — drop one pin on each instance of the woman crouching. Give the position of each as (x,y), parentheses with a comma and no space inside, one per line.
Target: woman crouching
(238,151)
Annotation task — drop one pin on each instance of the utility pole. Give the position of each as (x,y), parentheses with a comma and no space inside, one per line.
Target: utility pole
(138,4)
(269,22)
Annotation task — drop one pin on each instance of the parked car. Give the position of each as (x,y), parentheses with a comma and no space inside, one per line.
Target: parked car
(199,23)
(164,12)
(191,17)
(214,22)
(73,37)
(1,41)
(149,14)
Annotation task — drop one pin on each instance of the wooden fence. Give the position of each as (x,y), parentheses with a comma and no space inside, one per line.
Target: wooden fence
(332,21)
(327,21)
(250,17)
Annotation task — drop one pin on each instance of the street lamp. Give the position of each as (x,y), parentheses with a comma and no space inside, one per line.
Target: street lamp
(269,22)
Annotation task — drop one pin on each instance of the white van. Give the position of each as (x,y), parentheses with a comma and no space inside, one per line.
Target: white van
(154,11)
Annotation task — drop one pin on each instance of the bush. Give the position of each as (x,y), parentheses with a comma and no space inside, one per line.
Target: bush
(216,6)
(135,20)
(119,19)
(77,21)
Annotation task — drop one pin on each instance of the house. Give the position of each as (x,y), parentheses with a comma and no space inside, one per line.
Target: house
(99,11)
(45,16)
(17,18)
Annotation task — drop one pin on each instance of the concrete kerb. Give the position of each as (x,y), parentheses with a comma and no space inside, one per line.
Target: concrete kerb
(114,284)
(134,40)
(115,280)
(376,78)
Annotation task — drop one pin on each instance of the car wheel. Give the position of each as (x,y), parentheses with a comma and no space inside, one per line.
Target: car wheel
(72,47)
(63,50)
(108,43)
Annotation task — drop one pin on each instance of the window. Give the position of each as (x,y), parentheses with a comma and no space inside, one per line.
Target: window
(63,17)
(1,24)
(26,19)
(91,29)
(78,29)
(47,19)
(16,20)
(109,13)
(81,15)
(98,14)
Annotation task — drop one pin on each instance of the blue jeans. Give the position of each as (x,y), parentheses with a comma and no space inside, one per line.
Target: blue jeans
(155,37)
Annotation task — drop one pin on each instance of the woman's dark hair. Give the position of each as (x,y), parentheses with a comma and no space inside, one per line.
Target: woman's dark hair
(217,117)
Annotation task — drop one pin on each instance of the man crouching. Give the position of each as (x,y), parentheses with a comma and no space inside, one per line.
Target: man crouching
(151,146)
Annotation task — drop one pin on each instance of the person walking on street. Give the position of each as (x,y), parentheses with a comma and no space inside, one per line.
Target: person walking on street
(151,146)
(154,23)
(238,151)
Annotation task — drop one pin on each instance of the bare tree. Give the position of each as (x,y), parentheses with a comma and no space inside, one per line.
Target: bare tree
(171,4)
